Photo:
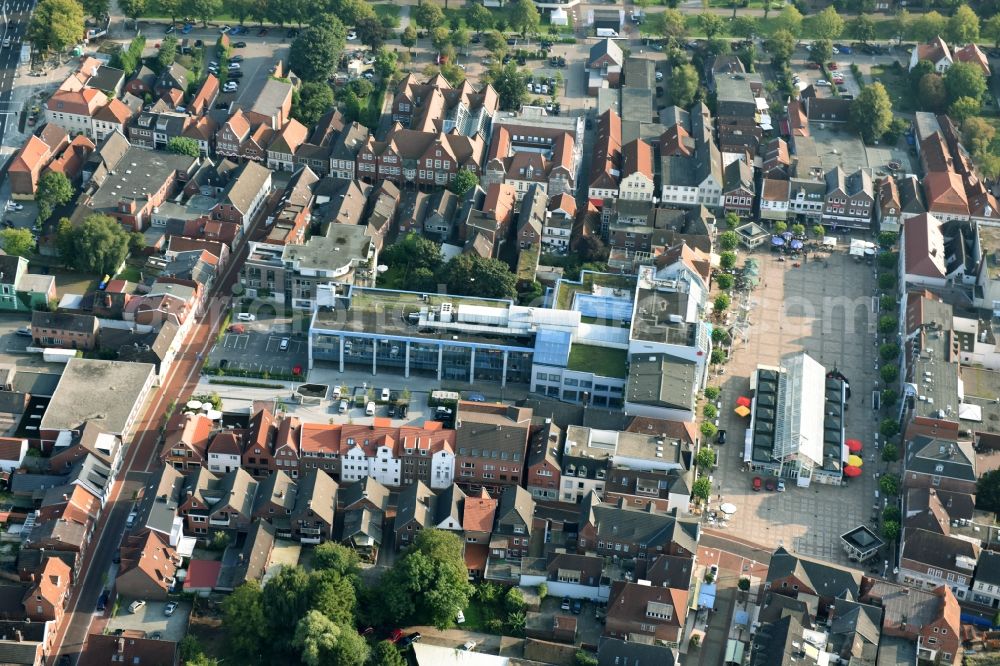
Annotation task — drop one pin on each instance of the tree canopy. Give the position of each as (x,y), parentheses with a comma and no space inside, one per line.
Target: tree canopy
(311,101)
(827,24)
(871,112)
(683,85)
(18,242)
(464,181)
(413,262)
(472,275)
(988,491)
(182,145)
(963,26)
(316,51)
(509,82)
(430,581)
(56,25)
(668,24)
(524,16)
(964,79)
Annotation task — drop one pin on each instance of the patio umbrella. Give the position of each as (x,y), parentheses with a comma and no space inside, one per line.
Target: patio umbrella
(787,235)
(855,461)
(854,445)
(728,508)
(852,471)
(743,401)
(777,241)
(796,245)
(743,411)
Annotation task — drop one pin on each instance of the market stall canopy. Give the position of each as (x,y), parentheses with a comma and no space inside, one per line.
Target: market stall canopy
(853,445)
(796,244)
(743,401)
(852,471)
(855,461)
(743,411)
(829,241)
(777,241)
(728,508)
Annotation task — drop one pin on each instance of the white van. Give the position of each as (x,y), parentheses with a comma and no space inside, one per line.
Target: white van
(336,393)
(370,409)
(607,32)
(343,407)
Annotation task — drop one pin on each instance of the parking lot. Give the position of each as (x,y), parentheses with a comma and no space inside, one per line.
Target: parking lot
(150,619)
(265,345)
(824,310)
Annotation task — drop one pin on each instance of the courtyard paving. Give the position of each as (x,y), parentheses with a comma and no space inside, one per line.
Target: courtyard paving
(825,309)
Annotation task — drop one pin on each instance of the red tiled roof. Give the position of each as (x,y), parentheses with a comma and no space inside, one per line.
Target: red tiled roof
(319,437)
(202,574)
(478,513)
(10,448)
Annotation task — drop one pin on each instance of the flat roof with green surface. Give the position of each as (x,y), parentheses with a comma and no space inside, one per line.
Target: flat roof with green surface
(599,360)
(567,289)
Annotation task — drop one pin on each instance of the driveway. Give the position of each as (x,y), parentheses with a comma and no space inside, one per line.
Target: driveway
(151,619)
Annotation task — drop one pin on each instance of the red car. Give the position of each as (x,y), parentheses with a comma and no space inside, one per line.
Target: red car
(812,65)
(396,635)
(832,66)
(237,328)
(756,484)
(770,484)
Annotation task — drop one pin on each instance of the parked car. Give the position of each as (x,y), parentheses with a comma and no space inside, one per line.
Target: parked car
(384,396)
(130,521)
(236,75)
(781,485)
(410,639)
(770,485)
(170,29)
(565,604)
(236,58)
(832,66)
(344,406)
(392,411)
(240,45)
(224,29)
(720,438)
(469,646)
(401,412)
(102,601)
(351,35)
(476,397)
(136,606)
(370,409)
(756,484)
(577,606)
(24,331)
(823,82)
(246,316)
(812,65)
(283,345)
(169,608)
(460,617)
(234,66)
(396,635)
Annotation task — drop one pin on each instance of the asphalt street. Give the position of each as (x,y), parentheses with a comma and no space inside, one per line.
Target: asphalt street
(17,15)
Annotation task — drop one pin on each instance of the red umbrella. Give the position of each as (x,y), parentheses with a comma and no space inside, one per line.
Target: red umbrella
(854,445)
(742,401)
(852,471)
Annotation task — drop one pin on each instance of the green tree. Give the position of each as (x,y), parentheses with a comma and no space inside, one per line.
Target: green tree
(702,487)
(509,82)
(889,351)
(744,26)
(964,108)
(711,392)
(336,557)
(789,19)
(729,240)
(371,32)
(964,79)
(891,513)
(332,595)
(311,101)
(963,26)
(495,43)
(730,221)
(779,227)
(408,38)
(315,638)
(888,427)
(95,8)
(440,37)
(900,24)
(827,24)
(799,229)
(988,491)
(167,53)
(887,239)
(464,181)
(54,190)
(709,411)
(428,582)
(182,145)
(316,51)
(717,357)
(926,27)
(523,16)
(205,10)
(978,133)
(818,230)
(991,30)
(287,598)
(862,29)
(683,85)
(887,281)
(18,242)
(888,260)
(724,281)
(243,619)
(890,529)
(890,453)
(887,302)
(413,263)
(56,25)
(478,17)
(887,324)
(821,51)
(719,335)
(171,8)
(722,303)
(889,372)
(386,63)
(386,653)
(668,24)
(240,9)
(133,9)
(871,112)
(428,15)
(705,459)
(782,46)
(711,24)
(727,260)
(472,275)
(889,484)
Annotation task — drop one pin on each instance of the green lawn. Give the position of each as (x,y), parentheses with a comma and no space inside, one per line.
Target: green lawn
(386,10)
(599,360)
(131,273)
(897,84)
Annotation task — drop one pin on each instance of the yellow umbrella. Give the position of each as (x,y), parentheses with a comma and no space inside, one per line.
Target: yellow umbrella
(856,461)
(742,411)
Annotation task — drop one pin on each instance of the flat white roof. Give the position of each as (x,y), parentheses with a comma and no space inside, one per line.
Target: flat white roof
(435,655)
